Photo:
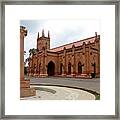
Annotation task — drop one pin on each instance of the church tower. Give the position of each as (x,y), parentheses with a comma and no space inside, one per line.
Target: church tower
(43,42)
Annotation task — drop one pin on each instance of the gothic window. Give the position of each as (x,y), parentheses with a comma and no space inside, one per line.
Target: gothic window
(69,68)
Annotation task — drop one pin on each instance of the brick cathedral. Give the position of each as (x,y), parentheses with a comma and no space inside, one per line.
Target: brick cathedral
(77,59)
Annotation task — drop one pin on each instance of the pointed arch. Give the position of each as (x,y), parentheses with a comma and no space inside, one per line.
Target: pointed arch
(51,68)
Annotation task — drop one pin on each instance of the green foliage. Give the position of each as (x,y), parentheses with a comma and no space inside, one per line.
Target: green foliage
(97,97)
(32,51)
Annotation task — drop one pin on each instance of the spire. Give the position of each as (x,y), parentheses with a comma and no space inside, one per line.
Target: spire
(96,34)
(38,36)
(43,35)
(48,34)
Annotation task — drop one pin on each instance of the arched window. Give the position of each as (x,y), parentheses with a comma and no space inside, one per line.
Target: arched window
(69,68)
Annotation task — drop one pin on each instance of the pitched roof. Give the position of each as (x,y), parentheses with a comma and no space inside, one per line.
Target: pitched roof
(76,44)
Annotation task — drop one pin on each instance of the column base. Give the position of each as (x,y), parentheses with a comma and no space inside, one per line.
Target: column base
(43,75)
(84,75)
(64,75)
(73,75)
(25,84)
(30,75)
(35,74)
(27,92)
(97,75)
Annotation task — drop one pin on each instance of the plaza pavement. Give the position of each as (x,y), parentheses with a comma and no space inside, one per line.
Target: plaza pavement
(59,93)
(89,84)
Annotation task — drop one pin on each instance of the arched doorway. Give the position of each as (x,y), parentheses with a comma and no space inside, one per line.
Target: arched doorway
(51,69)
(79,68)
(69,68)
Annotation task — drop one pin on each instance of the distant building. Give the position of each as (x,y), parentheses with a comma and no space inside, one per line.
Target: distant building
(77,59)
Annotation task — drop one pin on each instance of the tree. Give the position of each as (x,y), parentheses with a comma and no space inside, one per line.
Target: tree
(32,51)
(27,60)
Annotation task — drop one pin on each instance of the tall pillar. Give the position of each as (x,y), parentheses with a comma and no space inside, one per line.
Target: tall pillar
(25,89)
(37,66)
(23,33)
(64,62)
(73,61)
(84,53)
(88,59)
(62,70)
(46,65)
(97,45)
(43,73)
(29,68)
(57,65)
(32,65)
(99,55)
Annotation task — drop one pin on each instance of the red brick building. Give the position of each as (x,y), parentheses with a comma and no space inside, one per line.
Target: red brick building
(77,59)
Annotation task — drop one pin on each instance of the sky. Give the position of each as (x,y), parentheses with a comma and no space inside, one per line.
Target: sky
(61,31)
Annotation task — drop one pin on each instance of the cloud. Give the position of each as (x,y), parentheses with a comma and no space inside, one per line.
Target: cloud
(61,31)
(65,31)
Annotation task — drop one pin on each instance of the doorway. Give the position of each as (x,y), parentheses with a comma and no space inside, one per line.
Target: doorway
(51,69)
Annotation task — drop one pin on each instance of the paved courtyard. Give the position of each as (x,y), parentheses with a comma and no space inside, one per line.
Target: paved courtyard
(89,84)
(59,93)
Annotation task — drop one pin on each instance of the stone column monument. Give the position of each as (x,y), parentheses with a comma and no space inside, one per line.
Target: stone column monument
(25,89)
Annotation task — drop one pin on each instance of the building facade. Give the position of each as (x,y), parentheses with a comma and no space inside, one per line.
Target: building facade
(77,59)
